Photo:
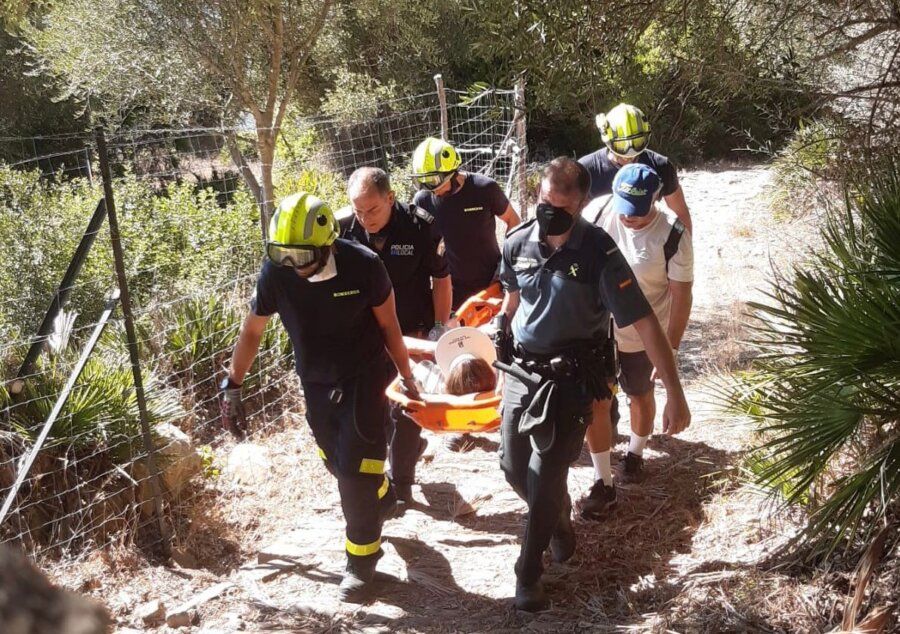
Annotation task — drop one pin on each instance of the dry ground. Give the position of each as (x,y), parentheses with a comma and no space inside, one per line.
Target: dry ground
(688,551)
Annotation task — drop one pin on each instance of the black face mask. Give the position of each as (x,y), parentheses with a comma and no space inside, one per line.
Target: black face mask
(553,221)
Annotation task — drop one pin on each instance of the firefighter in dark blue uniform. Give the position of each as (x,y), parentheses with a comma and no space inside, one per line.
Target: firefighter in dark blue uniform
(336,303)
(563,277)
(402,237)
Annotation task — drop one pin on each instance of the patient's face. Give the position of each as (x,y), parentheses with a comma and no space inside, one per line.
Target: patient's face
(470,376)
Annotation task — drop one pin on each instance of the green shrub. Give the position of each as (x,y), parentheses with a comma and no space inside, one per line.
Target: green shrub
(809,161)
(825,394)
(100,417)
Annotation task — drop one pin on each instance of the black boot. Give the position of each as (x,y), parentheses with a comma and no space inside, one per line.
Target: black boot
(530,597)
(357,582)
(562,544)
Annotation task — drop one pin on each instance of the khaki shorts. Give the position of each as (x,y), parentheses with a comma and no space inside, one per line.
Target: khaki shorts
(635,370)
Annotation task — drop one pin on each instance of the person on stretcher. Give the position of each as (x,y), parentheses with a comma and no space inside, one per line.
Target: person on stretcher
(461,366)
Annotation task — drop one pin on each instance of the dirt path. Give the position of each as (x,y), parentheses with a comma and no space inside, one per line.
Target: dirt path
(681,554)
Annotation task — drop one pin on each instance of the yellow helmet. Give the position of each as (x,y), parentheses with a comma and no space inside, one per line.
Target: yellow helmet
(301,227)
(434,160)
(624,130)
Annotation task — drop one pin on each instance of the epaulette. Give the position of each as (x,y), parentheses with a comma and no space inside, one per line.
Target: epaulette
(421,213)
(519,227)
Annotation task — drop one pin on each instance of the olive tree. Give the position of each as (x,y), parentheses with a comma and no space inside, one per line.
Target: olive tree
(171,58)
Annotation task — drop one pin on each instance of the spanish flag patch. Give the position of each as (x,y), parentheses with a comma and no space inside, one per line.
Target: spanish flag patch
(625,284)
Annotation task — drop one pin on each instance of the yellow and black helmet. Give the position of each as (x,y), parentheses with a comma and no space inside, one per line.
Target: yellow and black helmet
(301,227)
(434,160)
(624,130)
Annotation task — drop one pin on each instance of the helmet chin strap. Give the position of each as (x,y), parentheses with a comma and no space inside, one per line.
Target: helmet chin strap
(325,268)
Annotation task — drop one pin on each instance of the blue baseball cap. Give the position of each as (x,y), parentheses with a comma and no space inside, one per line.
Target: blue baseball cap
(633,189)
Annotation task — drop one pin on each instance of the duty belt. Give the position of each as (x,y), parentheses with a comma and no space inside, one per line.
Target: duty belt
(590,362)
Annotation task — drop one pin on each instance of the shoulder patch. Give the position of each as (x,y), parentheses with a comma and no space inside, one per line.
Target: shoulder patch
(422,214)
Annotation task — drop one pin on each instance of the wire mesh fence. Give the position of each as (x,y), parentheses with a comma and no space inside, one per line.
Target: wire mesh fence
(190,232)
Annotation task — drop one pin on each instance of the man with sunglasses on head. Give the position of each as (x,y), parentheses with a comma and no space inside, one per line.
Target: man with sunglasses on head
(336,303)
(465,206)
(625,132)
(401,236)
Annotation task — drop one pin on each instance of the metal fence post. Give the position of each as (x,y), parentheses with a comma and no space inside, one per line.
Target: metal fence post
(442,100)
(131,336)
(522,143)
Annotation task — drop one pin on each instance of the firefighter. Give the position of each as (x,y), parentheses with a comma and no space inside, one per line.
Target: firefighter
(465,207)
(625,133)
(335,300)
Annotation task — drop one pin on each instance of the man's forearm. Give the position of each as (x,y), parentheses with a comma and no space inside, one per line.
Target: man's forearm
(244,353)
(511,218)
(442,298)
(510,304)
(677,203)
(659,351)
(393,342)
(679,316)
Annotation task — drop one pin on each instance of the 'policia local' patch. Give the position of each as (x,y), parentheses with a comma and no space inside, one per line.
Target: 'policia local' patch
(355,291)
(403,249)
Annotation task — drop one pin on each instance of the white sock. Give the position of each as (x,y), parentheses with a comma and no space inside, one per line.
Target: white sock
(602,467)
(637,444)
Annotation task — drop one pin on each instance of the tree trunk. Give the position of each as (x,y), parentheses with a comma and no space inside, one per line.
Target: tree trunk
(266,141)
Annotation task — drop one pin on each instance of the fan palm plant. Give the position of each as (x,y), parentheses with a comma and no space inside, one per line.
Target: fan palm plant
(825,392)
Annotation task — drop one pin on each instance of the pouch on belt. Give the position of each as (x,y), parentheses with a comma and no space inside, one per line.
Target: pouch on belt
(538,418)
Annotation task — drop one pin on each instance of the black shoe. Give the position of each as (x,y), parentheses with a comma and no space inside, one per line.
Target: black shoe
(562,544)
(388,505)
(530,597)
(631,469)
(599,503)
(356,584)
(404,493)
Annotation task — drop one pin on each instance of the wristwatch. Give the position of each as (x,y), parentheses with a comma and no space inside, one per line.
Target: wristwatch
(228,384)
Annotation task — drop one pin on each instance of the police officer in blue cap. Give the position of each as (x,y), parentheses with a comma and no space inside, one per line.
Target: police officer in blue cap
(563,277)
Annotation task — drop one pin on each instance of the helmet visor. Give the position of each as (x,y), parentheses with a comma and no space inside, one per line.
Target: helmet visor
(432,180)
(293,255)
(630,145)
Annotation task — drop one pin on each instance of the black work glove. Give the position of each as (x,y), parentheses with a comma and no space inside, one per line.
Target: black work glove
(234,418)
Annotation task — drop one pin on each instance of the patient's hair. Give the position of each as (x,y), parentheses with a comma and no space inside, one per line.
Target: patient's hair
(470,376)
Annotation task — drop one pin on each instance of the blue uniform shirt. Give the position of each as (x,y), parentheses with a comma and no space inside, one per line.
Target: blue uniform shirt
(566,295)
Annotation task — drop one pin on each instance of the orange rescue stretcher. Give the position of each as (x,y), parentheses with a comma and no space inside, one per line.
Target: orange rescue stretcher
(446,413)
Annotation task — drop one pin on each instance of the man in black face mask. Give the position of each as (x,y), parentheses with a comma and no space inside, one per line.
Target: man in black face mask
(563,277)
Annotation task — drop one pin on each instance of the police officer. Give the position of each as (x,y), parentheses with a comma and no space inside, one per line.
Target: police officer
(625,133)
(465,207)
(335,300)
(401,236)
(562,277)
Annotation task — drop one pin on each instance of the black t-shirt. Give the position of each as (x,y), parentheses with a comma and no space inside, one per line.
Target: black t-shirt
(603,171)
(566,295)
(330,323)
(410,255)
(467,223)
